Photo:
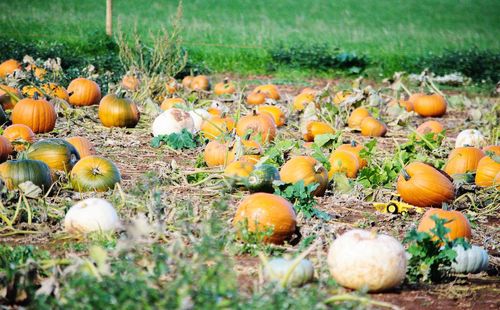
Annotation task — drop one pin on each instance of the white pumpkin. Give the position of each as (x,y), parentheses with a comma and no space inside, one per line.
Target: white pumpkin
(472,260)
(362,259)
(277,269)
(199,115)
(470,137)
(172,121)
(92,214)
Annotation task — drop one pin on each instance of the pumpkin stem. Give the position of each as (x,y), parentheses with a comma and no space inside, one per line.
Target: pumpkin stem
(353,143)
(405,175)
(226,80)
(35,95)
(96,171)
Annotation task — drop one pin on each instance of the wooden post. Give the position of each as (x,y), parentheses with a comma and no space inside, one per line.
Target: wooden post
(109,17)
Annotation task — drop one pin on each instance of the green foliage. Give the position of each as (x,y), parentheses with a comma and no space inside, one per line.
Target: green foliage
(431,254)
(177,141)
(253,241)
(302,198)
(277,153)
(317,56)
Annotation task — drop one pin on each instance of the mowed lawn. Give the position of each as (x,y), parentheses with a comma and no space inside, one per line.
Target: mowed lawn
(232,35)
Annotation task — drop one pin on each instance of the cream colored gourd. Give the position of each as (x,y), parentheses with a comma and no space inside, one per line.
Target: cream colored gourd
(277,268)
(472,260)
(470,137)
(361,259)
(172,121)
(198,116)
(89,215)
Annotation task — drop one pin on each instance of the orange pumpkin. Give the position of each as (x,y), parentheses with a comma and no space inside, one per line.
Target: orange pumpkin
(494,149)
(239,169)
(82,145)
(186,81)
(200,82)
(341,96)
(307,169)
(354,148)
(224,88)
(218,154)
(38,114)
(428,127)
(18,135)
(316,128)
(358,115)
(424,186)
(215,111)
(254,125)
(342,161)
(430,105)
(463,160)
(269,90)
(118,112)
(372,127)
(216,127)
(6,100)
(5,149)
(130,82)
(263,211)
(256,98)
(413,98)
(84,92)
(487,170)
(169,103)
(458,224)
(406,104)
(275,112)
(8,67)
(302,100)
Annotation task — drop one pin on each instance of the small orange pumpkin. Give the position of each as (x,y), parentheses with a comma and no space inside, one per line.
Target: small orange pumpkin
(341,96)
(424,186)
(8,67)
(354,148)
(130,82)
(458,224)
(487,169)
(275,112)
(38,114)
(200,82)
(495,149)
(19,133)
(171,102)
(82,145)
(428,127)
(307,169)
(342,161)
(269,90)
(186,81)
(216,127)
(316,128)
(463,159)
(302,100)
(358,115)
(118,112)
(262,211)
(256,98)
(84,92)
(430,105)
(218,154)
(5,149)
(224,88)
(6,100)
(253,125)
(372,127)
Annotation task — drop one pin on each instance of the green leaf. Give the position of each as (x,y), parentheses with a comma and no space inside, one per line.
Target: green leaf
(177,141)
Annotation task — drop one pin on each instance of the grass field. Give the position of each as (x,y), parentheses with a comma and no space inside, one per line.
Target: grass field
(233,35)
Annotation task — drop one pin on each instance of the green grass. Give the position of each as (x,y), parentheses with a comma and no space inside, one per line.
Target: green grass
(233,35)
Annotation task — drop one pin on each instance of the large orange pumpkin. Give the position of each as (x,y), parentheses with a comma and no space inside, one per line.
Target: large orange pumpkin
(218,154)
(458,224)
(302,100)
(275,112)
(224,88)
(37,114)
(216,127)
(19,135)
(463,160)
(358,115)
(84,92)
(316,128)
(430,105)
(342,161)
(354,148)
(487,169)
(424,186)
(118,112)
(428,127)
(6,100)
(413,98)
(307,169)
(263,211)
(57,153)
(254,125)
(372,127)
(8,67)
(82,145)
(270,90)
(5,149)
